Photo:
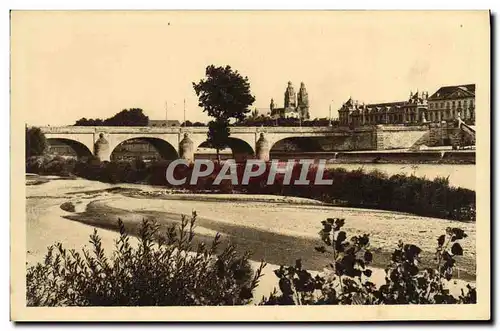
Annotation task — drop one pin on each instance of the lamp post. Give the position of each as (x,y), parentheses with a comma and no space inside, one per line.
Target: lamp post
(330,116)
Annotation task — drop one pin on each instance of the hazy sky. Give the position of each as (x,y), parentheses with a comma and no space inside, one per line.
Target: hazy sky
(93,64)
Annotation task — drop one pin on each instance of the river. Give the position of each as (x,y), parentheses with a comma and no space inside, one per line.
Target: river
(459,175)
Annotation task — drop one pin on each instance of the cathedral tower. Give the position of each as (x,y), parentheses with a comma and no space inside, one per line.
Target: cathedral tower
(303,102)
(290,97)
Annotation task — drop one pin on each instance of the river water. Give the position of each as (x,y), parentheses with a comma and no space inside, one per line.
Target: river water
(460,175)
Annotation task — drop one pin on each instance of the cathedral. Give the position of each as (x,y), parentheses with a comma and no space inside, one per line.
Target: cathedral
(296,104)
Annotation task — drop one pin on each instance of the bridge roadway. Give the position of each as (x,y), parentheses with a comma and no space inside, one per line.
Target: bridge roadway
(175,142)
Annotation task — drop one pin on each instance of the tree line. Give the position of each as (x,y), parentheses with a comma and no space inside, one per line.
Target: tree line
(127,117)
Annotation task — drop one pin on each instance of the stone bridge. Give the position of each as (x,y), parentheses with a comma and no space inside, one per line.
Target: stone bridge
(182,142)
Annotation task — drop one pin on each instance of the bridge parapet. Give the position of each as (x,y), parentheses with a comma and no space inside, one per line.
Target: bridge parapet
(204,129)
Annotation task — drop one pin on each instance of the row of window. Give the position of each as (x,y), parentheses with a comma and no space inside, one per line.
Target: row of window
(441,105)
(398,118)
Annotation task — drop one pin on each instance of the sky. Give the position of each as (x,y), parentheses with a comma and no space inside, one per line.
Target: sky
(69,65)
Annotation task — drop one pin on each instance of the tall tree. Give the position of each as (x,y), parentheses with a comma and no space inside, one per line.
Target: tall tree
(36,143)
(224,95)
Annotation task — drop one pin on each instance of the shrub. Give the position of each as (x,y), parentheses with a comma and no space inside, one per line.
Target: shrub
(68,206)
(50,165)
(158,272)
(349,279)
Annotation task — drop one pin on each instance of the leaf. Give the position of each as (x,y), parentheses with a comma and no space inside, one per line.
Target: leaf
(341,236)
(368,256)
(327,227)
(441,240)
(367,272)
(456,249)
(458,234)
(285,286)
(339,223)
(298,264)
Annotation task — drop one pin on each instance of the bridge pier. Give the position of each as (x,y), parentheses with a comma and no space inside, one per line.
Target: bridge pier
(186,149)
(262,148)
(101,148)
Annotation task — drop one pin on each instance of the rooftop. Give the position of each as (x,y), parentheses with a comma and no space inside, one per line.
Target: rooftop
(455,91)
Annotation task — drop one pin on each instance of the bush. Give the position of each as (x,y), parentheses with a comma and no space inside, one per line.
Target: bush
(50,165)
(158,272)
(349,279)
(68,206)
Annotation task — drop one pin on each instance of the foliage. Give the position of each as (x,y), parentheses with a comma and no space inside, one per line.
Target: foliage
(127,117)
(223,95)
(50,165)
(36,143)
(349,280)
(195,124)
(159,271)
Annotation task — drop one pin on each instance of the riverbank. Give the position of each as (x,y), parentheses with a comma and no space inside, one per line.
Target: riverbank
(277,229)
(387,157)
(356,188)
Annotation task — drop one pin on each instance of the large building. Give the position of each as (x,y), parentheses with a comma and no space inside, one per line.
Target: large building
(409,111)
(447,103)
(296,105)
(450,102)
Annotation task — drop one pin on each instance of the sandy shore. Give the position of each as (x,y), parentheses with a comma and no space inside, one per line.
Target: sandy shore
(48,223)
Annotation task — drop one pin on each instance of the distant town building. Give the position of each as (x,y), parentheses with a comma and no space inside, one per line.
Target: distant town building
(450,101)
(447,103)
(164,123)
(296,105)
(409,111)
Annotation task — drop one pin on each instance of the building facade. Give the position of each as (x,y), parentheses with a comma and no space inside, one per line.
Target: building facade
(411,111)
(296,105)
(450,102)
(447,103)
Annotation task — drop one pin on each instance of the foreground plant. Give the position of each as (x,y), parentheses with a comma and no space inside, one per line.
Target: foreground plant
(349,280)
(162,270)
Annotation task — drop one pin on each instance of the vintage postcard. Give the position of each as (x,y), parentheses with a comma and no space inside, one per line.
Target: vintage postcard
(250,165)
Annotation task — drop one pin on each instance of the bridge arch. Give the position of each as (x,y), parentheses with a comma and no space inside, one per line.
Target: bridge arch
(240,150)
(68,147)
(297,145)
(145,147)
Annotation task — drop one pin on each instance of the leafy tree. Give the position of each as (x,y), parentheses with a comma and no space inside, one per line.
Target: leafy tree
(127,117)
(224,95)
(36,143)
(130,117)
(89,122)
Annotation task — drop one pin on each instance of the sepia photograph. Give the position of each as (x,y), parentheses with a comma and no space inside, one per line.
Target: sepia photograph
(178,164)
